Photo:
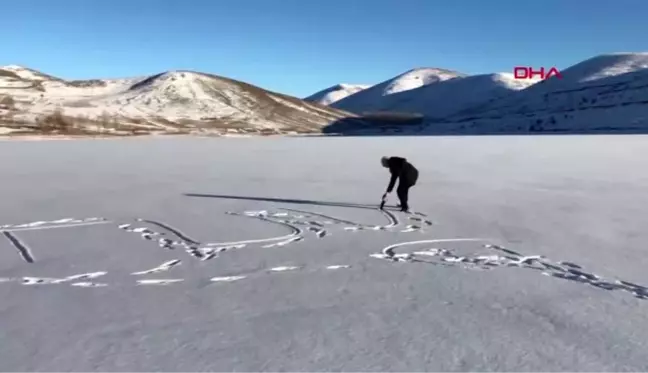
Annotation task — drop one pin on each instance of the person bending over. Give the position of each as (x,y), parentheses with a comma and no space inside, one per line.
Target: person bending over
(407,176)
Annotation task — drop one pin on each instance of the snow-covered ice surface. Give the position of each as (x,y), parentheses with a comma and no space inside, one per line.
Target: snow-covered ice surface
(261,254)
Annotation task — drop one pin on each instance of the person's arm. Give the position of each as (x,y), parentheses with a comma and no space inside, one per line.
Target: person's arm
(395,167)
(392,182)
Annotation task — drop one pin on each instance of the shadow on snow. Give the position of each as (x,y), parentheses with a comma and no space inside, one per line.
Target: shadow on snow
(288,200)
(361,126)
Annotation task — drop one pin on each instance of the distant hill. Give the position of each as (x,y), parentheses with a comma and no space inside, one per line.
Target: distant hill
(372,98)
(335,93)
(606,93)
(173,100)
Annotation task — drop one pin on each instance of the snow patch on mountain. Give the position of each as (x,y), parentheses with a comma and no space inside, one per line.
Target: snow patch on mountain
(607,65)
(336,93)
(27,73)
(370,99)
(417,78)
(447,97)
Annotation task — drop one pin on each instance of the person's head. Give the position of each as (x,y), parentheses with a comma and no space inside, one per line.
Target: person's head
(384,161)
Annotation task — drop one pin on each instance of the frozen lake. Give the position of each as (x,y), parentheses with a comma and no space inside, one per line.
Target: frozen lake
(193,254)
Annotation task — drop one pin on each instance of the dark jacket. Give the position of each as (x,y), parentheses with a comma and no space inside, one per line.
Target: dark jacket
(401,169)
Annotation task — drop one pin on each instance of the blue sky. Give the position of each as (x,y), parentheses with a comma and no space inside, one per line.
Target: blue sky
(300,46)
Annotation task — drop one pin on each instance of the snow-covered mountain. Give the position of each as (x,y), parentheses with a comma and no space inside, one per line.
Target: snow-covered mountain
(27,73)
(607,92)
(604,93)
(174,99)
(372,98)
(335,93)
(449,96)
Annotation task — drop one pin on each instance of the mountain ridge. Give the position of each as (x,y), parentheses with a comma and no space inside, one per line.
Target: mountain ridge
(181,99)
(369,98)
(335,93)
(603,93)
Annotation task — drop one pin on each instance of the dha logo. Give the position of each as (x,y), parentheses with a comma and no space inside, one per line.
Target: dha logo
(523,72)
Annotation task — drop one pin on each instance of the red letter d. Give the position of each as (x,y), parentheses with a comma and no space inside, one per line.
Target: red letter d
(520,72)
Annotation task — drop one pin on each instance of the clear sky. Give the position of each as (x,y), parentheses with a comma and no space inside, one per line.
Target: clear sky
(301,46)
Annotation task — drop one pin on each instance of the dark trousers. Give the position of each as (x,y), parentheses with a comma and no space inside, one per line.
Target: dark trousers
(403,194)
(404,186)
